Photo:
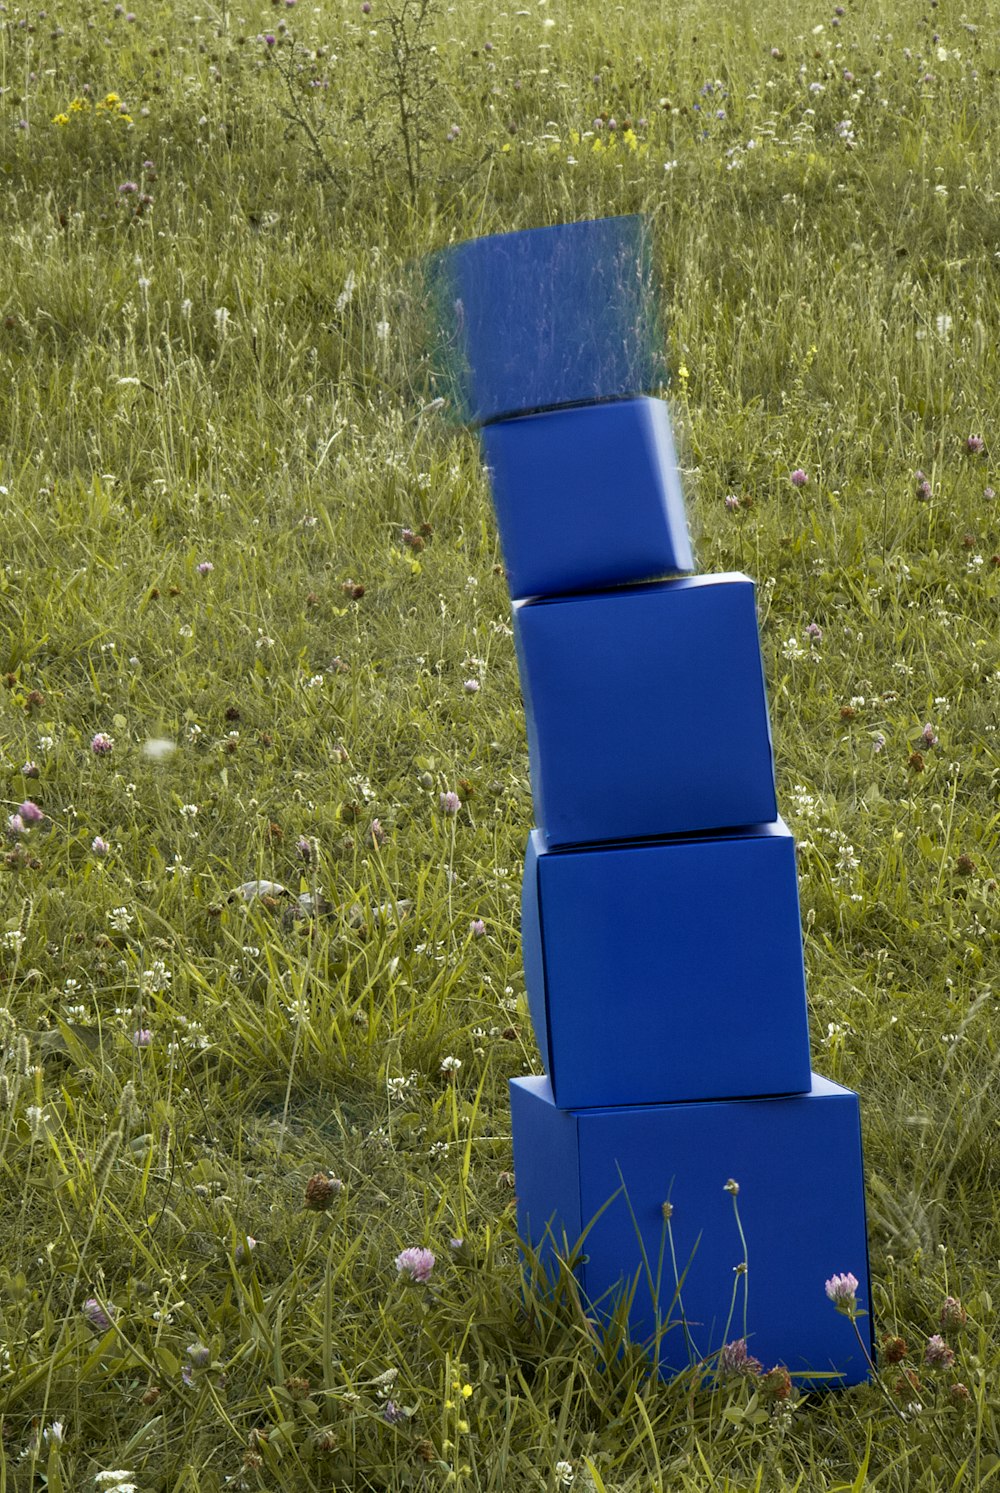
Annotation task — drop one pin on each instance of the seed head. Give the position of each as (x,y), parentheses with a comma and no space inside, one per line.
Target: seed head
(893,1349)
(321,1191)
(953,1314)
(937,1354)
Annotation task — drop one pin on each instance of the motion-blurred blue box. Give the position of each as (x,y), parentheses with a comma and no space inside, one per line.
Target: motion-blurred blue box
(667,970)
(604,1175)
(646,711)
(546,317)
(587,497)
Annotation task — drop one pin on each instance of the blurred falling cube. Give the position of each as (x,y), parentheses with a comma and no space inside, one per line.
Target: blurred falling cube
(587,497)
(667,970)
(546,317)
(603,1176)
(646,711)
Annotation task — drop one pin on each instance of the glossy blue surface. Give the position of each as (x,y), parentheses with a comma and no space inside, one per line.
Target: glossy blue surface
(646,711)
(667,970)
(801,1206)
(546,317)
(587,498)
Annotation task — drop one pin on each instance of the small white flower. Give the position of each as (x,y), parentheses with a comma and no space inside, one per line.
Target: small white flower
(450,1065)
(156,979)
(382,330)
(564,1473)
(189,810)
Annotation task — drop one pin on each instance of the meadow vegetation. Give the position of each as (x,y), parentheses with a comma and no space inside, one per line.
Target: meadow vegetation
(254,629)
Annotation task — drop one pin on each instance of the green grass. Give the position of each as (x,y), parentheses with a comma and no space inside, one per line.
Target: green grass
(206,381)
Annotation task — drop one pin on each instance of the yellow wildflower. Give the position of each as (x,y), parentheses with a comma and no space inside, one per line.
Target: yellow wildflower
(60,119)
(111,98)
(630,139)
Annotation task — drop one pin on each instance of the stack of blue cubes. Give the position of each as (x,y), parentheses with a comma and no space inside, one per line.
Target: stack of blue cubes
(679,1137)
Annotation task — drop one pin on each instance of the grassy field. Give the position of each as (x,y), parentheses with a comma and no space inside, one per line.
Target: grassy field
(246,580)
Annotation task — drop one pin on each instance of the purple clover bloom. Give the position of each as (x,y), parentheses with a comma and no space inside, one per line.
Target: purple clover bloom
(101,744)
(100,1317)
(415,1263)
(450,803)
(30,812)
(799,478)
(843,1292)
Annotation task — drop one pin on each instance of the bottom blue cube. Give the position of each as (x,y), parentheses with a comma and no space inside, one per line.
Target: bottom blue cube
(601,1177)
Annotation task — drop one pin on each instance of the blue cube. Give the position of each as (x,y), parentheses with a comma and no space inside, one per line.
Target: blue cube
(668,969)
(646,711)
(587,497)
(546,317)
(603,1176)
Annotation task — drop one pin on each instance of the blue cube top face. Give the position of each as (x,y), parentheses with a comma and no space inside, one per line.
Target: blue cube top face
(798,1167)
(547,317)
(667,970)
(646,711)
(588,497)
